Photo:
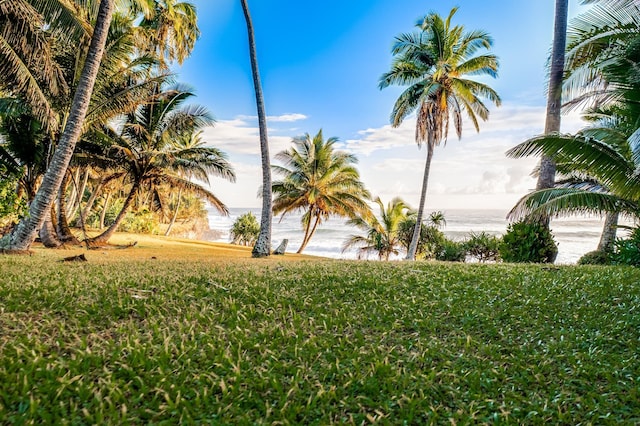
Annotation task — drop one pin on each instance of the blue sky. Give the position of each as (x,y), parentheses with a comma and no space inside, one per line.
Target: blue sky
(320,63)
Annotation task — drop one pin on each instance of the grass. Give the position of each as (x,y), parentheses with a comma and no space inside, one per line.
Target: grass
(197,337)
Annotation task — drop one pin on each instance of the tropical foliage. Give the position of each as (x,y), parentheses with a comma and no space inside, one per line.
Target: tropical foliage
(134,146)
(598,166)
(382,234)
(435,63)
(432,239)
(483,247)
(319,181)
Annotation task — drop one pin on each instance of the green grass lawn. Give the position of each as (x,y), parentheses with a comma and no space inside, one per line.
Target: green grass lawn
(316,342)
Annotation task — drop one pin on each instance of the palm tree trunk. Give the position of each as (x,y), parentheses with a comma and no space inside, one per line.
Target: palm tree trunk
(62,226)
(25,233)
(48,233)
(105,207)
(175,214)
(546,179)
(411,253)
(108,233)
(76,206)
(608,232)
(92,199)
(309,234)
(262,248)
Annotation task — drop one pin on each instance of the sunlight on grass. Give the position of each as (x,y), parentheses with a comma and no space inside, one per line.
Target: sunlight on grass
(125,338)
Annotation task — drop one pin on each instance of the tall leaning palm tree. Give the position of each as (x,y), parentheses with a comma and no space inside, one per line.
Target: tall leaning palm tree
(25,232)
(262,247)
(434,63)
(320,181)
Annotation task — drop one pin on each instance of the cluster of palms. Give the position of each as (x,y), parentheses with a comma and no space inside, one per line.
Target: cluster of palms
(320,181)
(599,166)
(89,113)
(434,63)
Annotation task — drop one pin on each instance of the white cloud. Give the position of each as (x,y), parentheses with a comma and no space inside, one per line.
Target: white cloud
(238,136)
(284,118)
(469,173)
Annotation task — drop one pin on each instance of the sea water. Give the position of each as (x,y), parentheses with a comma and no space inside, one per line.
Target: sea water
(575,236)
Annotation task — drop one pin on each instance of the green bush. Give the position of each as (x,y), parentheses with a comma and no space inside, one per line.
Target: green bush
(431,238)
(596,257)
(528,242)
(12,206)
(483,246)
(626,251)
(245,230)
(452,251)
(141,222)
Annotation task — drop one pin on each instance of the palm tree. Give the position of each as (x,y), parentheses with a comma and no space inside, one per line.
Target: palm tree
(148,152)
(434,63)
(546,176)
(320,181)
(24,234)
(262,247)
(185,142)
(382,234)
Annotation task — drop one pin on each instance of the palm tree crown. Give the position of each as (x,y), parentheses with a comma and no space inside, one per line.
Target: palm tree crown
(318,180)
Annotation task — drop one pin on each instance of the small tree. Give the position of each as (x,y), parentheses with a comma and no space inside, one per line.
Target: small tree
(528,242)
(245,230)
(483,246)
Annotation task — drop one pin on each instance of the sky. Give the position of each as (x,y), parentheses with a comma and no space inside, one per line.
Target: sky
(320,62)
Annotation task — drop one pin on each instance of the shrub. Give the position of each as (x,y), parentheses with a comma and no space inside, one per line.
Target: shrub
(12,206)
(483,246)
(452,251)
(431,238)
(528,242)
(627,251)
(596,257)
(245,230)
(140,222)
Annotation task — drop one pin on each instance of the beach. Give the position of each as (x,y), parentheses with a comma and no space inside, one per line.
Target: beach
(575,236)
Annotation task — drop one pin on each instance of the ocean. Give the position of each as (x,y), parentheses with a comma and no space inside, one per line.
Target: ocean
(575,236)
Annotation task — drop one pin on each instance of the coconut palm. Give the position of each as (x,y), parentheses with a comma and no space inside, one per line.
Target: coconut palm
(118,87)
(262,247)
(25,232)
(383,233)
(319,181)
(147,151)
(435,62)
